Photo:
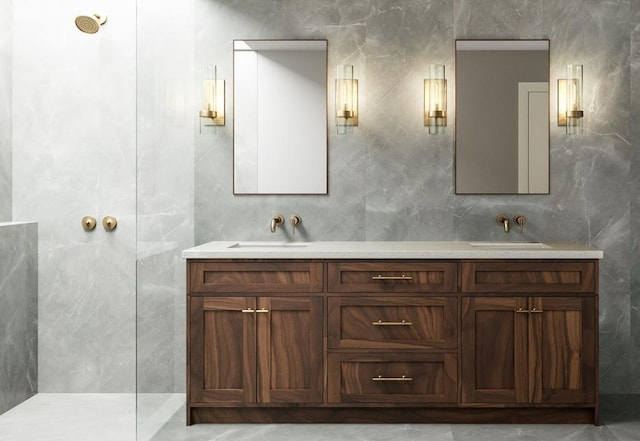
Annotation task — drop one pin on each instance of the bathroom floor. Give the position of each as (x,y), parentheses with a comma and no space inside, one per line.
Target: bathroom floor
(161,417)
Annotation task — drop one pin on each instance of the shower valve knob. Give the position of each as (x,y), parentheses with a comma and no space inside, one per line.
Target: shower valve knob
(109,223)
(88,223)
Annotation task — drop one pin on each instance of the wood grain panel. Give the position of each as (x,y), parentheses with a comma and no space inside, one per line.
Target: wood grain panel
(494,350)
(371,378)
(354,322)
(255,277)
(528,277)
(426,276)
(290,348)
(564,349)
(222,350)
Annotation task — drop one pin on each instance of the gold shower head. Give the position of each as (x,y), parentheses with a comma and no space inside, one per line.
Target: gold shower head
(90,24)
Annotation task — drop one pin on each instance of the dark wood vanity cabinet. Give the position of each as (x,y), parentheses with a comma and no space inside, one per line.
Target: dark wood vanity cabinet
(393,341)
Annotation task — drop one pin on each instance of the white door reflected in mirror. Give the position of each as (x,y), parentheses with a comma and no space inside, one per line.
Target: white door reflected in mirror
(280,116)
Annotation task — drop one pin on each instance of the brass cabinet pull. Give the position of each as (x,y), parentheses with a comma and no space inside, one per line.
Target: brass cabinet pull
(262,310)
(381,378)
(533,310)
(402,277)
(402,323)
(250,310)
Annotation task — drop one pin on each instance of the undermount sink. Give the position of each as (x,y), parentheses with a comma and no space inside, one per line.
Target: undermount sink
(263,245)
(517,245)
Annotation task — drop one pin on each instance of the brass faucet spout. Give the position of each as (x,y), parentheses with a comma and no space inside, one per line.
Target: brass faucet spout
(503,220)
(275,221)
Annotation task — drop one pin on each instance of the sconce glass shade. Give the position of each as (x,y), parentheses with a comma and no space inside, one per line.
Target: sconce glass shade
(435,99)
(346,99)
(570,110)
(212,110)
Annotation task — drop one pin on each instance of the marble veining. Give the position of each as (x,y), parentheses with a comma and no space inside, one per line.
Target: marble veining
(18,313)
(115,132)
(391,181)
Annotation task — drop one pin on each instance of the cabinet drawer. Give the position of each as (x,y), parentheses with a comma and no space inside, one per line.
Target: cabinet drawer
(393,322)
(530,277)
(255,277)
(393,276)
(392,378)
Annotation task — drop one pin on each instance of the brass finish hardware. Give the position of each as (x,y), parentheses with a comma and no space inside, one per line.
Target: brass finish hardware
(519,219)
(275,221)
(109,223)
(249,310)
(381,277)
(503,220)
(262,310)
(381,378)
(295,220)
(533,310)
(402,323)
(88,223)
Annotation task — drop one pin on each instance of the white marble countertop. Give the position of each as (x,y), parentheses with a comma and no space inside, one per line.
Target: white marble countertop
(390,250)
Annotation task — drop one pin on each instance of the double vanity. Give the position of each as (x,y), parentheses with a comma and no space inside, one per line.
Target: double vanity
(370,332)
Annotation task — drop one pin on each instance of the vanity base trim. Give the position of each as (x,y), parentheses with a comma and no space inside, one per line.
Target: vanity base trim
(393,415)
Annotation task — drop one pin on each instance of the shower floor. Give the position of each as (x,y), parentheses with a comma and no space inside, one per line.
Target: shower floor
(161,417)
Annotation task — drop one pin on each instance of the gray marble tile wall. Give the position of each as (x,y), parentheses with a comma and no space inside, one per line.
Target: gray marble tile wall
(74,137)
(161,321)
(635,199)
(390,180)
(18,313)
(5,111)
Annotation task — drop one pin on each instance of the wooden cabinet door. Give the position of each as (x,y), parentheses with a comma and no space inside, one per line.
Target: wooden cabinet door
(222,350)
(528,350)
(562,349)
(290,348)
(494,350)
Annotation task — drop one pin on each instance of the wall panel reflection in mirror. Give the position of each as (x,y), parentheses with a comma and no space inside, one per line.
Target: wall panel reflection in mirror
(280,116)
(502,117)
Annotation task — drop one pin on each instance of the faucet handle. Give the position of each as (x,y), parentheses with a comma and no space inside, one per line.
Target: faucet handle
(295,220)
(519,219)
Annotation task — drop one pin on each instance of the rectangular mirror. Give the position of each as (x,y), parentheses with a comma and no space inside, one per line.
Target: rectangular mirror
(502,117)
(280,116)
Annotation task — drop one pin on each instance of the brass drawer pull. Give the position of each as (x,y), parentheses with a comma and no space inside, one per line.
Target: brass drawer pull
(536,311)
(402,323)
(381,378)
(250,310)
(262,310)
(402,277)
(523,310)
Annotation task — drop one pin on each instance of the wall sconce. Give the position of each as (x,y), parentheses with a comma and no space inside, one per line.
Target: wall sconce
(570,112)
(212,111)
(435,99)
(346,99)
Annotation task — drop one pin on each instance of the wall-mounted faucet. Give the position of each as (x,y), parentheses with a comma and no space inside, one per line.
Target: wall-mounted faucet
(275,221)
(503,220)
(295,220)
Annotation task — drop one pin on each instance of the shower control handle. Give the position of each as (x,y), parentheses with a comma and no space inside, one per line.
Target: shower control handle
(109,223)
(88,223)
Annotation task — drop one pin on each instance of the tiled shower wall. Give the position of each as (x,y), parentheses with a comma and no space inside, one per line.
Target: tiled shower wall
(390,180)
(18,313)
(5,111)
